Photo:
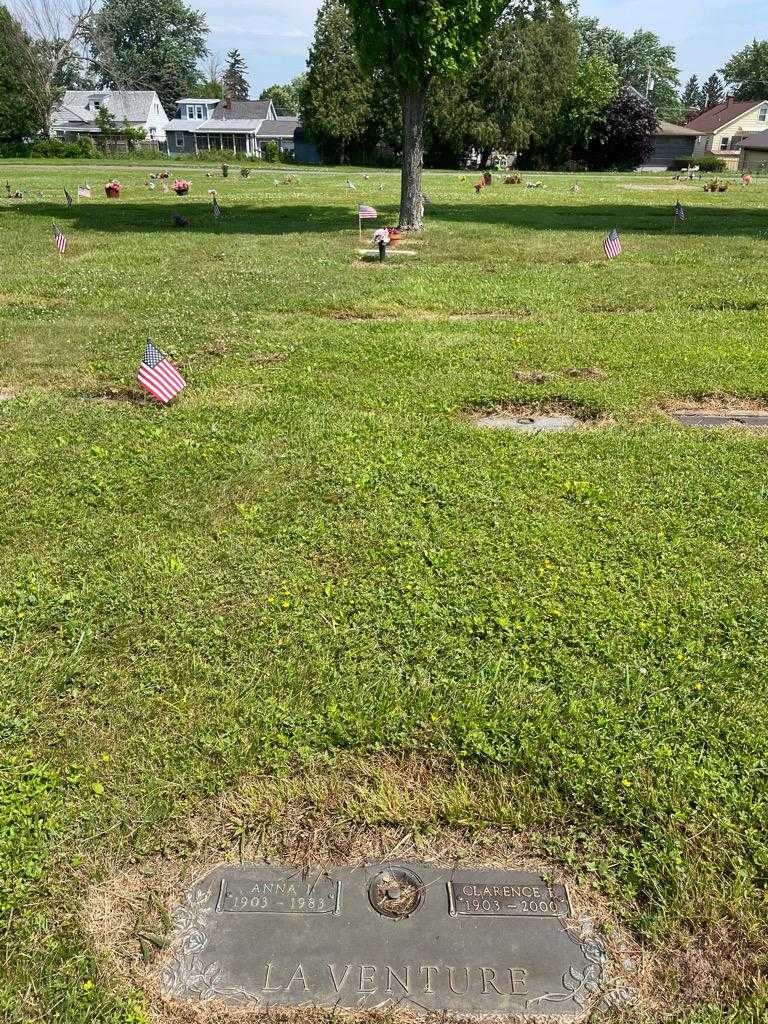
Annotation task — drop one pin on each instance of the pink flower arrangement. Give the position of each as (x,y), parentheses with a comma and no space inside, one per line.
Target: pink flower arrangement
(181,186)
(113,189)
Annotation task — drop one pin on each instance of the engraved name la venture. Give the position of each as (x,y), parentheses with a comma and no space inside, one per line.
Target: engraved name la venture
(406,979)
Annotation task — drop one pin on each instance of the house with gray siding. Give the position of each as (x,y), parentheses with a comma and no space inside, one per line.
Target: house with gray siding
(670,142)
(243,126)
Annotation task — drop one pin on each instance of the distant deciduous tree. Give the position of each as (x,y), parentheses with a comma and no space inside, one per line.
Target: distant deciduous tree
(623,139)
(48,38)
(17,118)
(235,77)
(521,79)
(641,60)
(140,44)
(285,97)
(335,98)
(747,70)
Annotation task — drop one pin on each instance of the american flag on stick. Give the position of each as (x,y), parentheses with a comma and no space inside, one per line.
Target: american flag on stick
(679,211)
(59,239)
(216,208)
(365,213)
(612,244)
(157,376)
(68,199)
(83,191)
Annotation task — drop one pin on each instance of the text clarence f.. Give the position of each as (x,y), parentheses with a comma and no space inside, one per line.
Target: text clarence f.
(384,980)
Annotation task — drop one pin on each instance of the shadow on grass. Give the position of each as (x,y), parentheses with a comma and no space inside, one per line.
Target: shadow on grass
(123,216)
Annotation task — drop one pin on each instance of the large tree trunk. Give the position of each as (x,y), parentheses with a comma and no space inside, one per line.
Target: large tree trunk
(411,200)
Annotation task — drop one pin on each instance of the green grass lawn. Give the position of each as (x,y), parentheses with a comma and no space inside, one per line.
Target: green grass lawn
(313,554)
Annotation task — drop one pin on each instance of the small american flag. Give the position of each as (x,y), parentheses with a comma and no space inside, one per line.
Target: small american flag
(60,240)
(679,211)
(612,244)
(83,191)
(366,212)
(216,208)
(158,376)
(68,199)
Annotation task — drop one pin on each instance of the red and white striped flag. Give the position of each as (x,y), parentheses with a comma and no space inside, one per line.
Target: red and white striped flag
(366,212)
(60,240)
(158,376)
(612,244)
(83,191)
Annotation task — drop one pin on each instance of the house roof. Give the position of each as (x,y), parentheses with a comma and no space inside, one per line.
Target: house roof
(757,141)
(198,99)
(722,114)
(76,108)
(667,128)
(281,128)
(252,110)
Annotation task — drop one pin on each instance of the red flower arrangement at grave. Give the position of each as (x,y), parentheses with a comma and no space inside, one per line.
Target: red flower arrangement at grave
(113,188)
(181,186)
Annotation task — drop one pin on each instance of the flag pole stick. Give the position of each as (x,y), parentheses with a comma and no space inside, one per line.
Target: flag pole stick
(360,225)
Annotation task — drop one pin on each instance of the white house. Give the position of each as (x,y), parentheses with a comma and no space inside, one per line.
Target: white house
(723,128)
(76,116)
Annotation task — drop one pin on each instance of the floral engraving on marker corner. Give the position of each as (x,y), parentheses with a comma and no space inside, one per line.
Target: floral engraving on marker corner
(187,975)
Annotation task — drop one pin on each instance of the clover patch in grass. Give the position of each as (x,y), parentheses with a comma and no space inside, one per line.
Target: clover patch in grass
(553,415)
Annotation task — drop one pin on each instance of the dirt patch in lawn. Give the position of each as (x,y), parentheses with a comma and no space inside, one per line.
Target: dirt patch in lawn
(131,396)
(310,819)
(354,316)
(661,187)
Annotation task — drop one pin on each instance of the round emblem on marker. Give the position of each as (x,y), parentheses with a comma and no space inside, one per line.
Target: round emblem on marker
(396,892)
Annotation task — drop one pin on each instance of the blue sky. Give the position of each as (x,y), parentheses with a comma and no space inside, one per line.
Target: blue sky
(274,36)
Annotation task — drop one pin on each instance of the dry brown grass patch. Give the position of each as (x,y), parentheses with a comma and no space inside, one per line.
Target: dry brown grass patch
(313,819)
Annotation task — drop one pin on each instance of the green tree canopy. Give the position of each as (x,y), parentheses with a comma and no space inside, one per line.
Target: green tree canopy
(623,138)
(139,44)
(713,91)
(17,120)
(418,42)
(641,61)
(335,98)
(235,77)
(285,97)
(747,70)
(692,96)
(517,87)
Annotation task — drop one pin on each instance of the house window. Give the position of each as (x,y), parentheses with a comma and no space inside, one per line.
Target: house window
(763,113)
(199,113)
(179,140)
(191,113)
(724,142)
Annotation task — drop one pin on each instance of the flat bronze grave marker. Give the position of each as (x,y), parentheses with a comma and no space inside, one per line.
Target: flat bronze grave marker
(424,939)
(544,423)
(752,419)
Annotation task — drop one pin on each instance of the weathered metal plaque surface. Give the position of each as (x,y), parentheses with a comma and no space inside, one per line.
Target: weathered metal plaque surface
(751,419)
(466,941)
(529,424)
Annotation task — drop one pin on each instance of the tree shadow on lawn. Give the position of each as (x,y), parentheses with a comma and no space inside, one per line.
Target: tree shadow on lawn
(125,217)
